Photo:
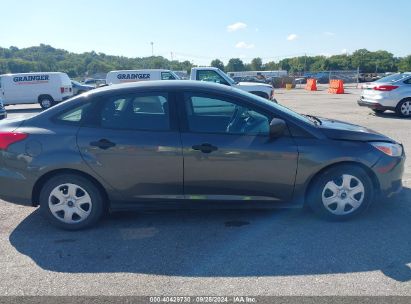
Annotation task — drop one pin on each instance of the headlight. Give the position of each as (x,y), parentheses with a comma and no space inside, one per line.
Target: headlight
(388,148)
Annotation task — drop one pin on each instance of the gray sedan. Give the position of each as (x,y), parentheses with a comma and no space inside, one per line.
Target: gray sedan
(187,144)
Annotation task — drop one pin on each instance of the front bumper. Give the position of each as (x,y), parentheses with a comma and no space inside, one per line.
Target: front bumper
(389,172)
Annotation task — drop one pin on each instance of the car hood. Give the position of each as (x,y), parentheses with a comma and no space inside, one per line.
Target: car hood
(340,130)
(258,84)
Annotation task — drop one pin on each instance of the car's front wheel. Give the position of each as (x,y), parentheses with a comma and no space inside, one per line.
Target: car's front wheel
(341,192)
(71,202)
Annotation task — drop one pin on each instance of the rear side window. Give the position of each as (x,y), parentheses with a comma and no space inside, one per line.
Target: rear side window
(136,112)
(75,115)
(408,81)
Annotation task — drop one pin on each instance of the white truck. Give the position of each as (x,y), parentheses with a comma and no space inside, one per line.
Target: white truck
(45,88)
(216,75)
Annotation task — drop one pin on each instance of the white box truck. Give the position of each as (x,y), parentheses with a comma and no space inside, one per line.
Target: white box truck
(116,77)
(45,88)
(216,75)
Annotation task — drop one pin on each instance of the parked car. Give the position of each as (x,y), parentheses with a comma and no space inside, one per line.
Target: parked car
(79,88)
(389,93)
(95,82)
(47,88)
(188,144)
(3,112)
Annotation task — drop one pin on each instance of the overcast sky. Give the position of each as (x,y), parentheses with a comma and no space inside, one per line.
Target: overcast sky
(202,30)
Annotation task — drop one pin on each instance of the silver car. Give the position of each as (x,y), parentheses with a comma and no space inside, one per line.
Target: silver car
(389,93)
(79,88)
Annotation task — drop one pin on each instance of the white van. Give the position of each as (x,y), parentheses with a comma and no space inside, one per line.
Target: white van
(46,88)
(116,77)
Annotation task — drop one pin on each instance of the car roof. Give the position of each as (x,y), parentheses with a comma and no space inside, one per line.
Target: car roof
(138,70)
(165,85)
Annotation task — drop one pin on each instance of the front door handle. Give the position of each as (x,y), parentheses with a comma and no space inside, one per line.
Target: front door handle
(102,144)
(205,148)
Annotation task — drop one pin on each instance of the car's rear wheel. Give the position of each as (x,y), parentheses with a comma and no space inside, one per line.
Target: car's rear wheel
(404,108)
(71,202)
(341,192)
(46,101)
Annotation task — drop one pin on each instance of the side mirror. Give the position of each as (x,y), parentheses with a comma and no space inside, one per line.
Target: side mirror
(277,128)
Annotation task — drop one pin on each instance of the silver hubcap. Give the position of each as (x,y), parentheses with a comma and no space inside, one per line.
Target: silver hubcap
(343,195)
(70,203)
(46,103)
(406,108)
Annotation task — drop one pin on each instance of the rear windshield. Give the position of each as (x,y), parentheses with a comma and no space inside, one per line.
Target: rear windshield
(394,78)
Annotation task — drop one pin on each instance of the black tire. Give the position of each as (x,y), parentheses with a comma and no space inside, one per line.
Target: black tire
(378,111)
(398,109)
(95,211)
(46,101)
(334,174)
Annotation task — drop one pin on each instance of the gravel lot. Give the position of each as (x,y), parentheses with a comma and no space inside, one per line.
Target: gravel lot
(280,252)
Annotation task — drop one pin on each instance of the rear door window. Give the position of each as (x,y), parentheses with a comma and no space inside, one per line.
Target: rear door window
(136,112)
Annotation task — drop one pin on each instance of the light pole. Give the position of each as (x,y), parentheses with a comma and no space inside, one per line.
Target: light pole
(152,48)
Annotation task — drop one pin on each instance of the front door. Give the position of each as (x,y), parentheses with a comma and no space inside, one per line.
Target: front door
(131,144)
(228,154)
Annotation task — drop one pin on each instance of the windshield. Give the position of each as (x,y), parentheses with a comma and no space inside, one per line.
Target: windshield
(76,83)
(394,78)
(277,106)
(230,80)
(175,75)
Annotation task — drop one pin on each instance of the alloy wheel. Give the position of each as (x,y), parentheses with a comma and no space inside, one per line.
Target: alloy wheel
(406,108)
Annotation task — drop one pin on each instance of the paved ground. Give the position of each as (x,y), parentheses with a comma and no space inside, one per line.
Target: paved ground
(282,252)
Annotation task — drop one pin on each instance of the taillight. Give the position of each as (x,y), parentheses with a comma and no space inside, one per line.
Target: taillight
(386,88)
(8,138)
(62,90)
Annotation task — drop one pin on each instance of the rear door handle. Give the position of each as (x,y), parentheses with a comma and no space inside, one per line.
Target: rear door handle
(205,148)
(102,144)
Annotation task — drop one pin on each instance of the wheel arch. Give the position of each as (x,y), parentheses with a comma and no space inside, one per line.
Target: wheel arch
(41,96)
(370,173)
(45,177)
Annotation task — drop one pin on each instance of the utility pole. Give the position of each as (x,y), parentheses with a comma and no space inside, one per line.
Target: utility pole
(152,48)
(305,62)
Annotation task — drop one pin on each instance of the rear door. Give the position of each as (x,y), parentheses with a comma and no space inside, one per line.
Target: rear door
(133,143)
(228,154)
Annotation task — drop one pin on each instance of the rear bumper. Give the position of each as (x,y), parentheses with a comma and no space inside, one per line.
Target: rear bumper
(373,105)
(15,188)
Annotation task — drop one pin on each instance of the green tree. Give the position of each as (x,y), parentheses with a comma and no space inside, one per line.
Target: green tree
(404,64)
(235,65)
(257,64)
(217,63)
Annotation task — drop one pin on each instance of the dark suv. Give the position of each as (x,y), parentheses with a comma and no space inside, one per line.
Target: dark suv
(188,144)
